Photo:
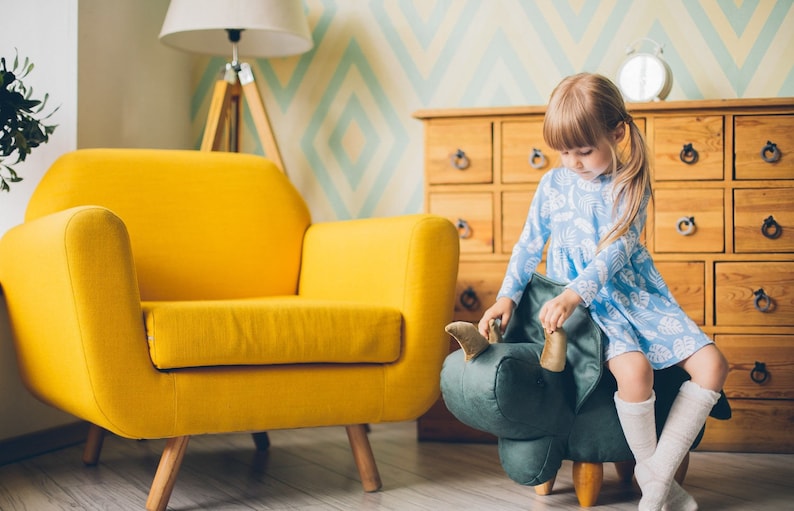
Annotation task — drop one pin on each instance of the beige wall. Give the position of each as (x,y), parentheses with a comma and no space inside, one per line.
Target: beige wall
(116,86)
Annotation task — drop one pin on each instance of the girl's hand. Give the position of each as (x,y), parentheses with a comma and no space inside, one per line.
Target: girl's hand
(502,310)
(554,312)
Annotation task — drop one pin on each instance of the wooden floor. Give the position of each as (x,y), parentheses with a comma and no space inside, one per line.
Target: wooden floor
(313,470)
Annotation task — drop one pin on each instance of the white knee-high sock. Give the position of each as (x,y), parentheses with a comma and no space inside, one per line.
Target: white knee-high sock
(638,421)
(686,418)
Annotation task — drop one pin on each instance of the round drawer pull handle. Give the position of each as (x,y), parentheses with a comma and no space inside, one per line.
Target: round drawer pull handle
(464,229)
(762,301)
(537,160)
(685,225)
(469,299)
(459,160)
(689,154)
(771,229)
(770,153)
(759,374)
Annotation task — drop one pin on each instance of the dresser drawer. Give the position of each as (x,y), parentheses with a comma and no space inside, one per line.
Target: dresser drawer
(458,152)
(525,156)
(688,147)
(763,220)
(689,220)
(472,212)
(756,425)
(754,293)
(475,291)
(761,366)
(515,206)
(755,157)
(686,281)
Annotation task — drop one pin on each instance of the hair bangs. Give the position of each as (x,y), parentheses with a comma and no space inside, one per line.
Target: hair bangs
(571,124)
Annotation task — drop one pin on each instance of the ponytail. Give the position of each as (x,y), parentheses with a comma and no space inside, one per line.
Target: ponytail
(632,185)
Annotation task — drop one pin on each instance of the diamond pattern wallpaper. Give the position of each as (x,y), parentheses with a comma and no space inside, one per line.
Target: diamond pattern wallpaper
(342,113)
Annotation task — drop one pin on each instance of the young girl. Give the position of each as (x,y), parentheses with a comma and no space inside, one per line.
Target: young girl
(592,211)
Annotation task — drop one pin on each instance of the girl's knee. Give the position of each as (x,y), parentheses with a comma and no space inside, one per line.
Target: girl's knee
(634,376)
(708,367)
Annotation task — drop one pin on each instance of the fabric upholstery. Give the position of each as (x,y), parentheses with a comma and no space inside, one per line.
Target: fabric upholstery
(273,330)
(111,231)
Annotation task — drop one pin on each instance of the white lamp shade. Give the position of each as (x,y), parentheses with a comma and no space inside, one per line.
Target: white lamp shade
(271,28)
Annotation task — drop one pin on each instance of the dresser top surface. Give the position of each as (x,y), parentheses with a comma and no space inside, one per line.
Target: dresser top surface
(733,105)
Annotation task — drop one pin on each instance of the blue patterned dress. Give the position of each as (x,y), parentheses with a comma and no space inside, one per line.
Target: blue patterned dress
(620,285)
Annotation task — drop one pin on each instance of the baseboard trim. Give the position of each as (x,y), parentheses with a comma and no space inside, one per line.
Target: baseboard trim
(40,442)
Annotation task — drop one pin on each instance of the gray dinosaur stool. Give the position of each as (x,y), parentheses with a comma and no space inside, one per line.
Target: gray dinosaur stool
(546,408)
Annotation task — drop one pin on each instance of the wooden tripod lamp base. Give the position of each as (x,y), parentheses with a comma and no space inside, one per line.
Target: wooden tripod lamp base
(226,108)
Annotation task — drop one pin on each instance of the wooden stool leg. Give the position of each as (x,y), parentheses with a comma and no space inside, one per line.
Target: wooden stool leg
(93,445)
(167,470)
(587,479)
(545,488)
(625,470)
(365,460)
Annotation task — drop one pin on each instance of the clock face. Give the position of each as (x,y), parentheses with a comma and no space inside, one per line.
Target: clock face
(642,77)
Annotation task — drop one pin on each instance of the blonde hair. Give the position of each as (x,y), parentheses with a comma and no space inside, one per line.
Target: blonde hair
(584,110)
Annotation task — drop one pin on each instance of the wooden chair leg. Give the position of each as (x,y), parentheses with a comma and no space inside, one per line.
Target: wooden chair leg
(365,460)
(587,479)
(93,445)
(167,470)
(545,488)
(625,470)
(261,440)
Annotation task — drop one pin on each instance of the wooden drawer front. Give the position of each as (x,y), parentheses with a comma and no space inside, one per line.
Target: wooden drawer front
(478,283)
(443,141)
(761,366)
(763,220)
(673,134)
(689,220)
(525,156)
(745,289)
(515,206)
(472,212)
(752,134)
(686,281)
(756,425)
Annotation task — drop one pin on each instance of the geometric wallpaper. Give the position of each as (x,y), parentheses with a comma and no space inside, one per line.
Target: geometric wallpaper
(342,113)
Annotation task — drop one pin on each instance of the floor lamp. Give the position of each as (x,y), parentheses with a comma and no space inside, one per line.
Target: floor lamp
(254,28)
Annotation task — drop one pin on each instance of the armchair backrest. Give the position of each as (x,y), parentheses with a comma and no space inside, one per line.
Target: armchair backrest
(202,225)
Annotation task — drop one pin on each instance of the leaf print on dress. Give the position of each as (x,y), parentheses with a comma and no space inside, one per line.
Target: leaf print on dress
(562,217)
(683,347)
(554,201)
(670,326)
(584,226)
(615,348)
(640,300)
(658,354)
(589,205)
(587,290)
(589,186)
(620,298)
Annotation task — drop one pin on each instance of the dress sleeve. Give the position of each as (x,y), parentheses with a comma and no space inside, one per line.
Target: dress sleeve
(610,260)
(528,251)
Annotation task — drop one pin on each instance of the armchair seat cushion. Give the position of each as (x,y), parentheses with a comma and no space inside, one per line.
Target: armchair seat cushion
(270,331)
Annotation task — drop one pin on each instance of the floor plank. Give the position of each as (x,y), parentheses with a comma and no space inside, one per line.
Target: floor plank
(313,470)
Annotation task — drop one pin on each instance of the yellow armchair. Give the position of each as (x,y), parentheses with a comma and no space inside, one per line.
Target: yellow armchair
(164,294)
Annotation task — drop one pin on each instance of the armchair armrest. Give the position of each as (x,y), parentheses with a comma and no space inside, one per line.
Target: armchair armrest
(72,294)
(408,262)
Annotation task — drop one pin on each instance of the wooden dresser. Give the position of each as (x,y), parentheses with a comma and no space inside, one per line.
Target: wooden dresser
(721,230)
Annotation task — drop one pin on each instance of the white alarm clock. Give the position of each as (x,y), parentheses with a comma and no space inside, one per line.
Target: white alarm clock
(644,76)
